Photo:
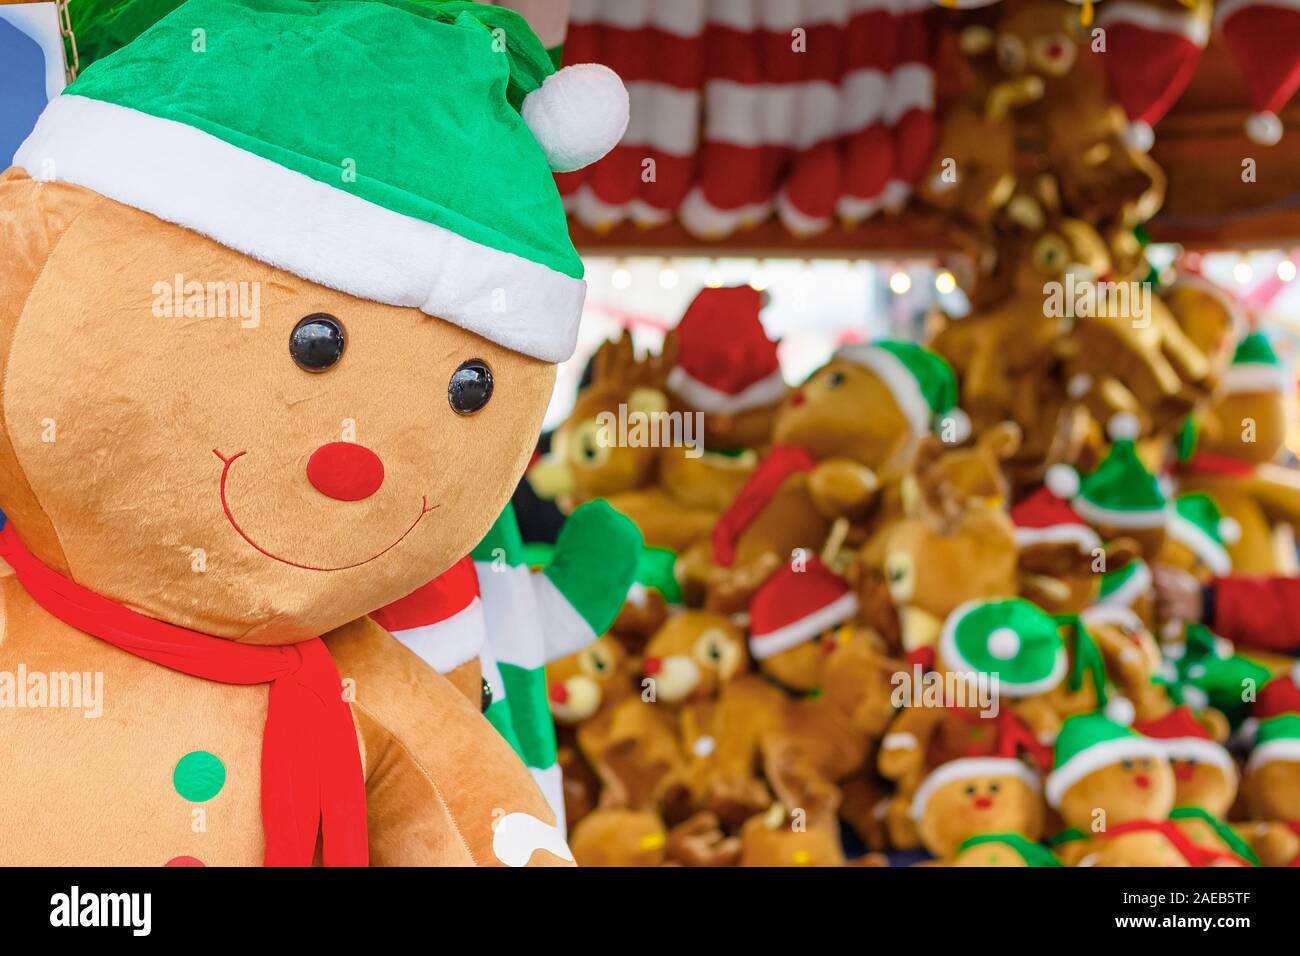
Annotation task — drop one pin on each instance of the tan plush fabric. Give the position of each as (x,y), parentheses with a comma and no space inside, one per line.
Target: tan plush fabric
(112,409)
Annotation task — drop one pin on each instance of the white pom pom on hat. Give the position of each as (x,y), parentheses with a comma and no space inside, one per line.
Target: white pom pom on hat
(1264,129)
(959,423)
(578,115)
(1123,426)
(1062,481)
(1140,136)
(1120,710)
(1004,643)
(1229,530)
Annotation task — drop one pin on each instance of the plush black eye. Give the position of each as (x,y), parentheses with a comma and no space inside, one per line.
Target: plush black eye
(485,696)
(317,342)
(470,387)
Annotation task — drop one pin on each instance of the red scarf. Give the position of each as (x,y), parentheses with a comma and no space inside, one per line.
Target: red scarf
(1193,853)
(312,780)
(781,462)
(1208,463)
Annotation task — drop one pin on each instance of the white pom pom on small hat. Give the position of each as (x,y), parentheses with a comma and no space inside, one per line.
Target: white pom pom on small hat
(1140,136)
(1121,711)
(1004,643)
(1264,128)
(578,115)
(1123,426)
(959,423)
(1062,481)
(1229,530)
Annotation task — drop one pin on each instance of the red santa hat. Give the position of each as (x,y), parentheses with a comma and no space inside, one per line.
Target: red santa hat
(1279,696)
(1184,738)
(1264,37)
(1151,53)
(726,363)
(1045,517)
(796,604)
(1011,750)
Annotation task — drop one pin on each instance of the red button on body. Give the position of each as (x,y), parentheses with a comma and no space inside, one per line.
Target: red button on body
(346,471)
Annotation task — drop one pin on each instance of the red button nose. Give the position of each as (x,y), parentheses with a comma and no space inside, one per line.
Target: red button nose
(346,471)
(1142,780)
(559,693)
(650,666)
(983,803)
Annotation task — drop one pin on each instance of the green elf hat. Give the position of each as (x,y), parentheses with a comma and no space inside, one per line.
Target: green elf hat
(1278,739)
(921,381)
(1256,368)
(1121,492)
(398,151)
(1089,742)
(1197,523)
(1203,670)
(1125,585)
(1013,639)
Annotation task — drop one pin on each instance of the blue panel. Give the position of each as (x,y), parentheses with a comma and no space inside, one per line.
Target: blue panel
(22,88)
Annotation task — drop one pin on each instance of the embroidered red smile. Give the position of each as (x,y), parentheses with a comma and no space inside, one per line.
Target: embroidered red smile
(230,516)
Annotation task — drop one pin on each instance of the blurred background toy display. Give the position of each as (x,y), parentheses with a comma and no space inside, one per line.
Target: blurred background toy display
(941,356)
(954,572)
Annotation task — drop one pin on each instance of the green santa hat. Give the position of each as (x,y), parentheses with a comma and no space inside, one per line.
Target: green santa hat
(1013,639)
(1125,585)
(398,151)
(921,381)
(1197,523)
(1021,644)
(1089,742)
(1121,492)
(1256,368)
(1278,739)
(1203,670)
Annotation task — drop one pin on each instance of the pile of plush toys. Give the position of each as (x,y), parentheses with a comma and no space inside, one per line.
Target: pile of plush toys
(920,603)
(864,610)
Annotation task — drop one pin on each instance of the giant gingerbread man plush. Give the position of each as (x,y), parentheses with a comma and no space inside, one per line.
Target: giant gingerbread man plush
(218,263)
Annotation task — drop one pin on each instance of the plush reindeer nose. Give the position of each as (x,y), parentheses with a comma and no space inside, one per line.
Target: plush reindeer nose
(651,666)
(346,471)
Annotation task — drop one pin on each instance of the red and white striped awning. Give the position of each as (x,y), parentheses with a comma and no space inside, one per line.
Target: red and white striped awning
(809,109)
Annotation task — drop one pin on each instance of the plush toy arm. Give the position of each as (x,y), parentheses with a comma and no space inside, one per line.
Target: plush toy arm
(902,750)
(842,488)
(1277,489)
(1040,717)
(1274,843)
(581,591)
(442,787)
